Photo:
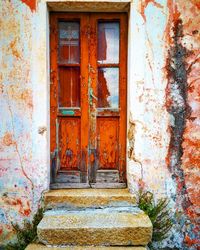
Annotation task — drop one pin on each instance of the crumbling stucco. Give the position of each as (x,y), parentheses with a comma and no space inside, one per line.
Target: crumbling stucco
(163,106)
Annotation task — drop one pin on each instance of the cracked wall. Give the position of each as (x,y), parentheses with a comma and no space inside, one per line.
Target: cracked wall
(23,89)
(163,108)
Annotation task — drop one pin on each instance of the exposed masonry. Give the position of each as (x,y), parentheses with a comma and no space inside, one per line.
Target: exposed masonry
(179,110)
(131,149)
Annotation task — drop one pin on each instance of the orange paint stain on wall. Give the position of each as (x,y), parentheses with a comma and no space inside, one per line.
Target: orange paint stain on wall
(174,15)
(21,96)
(22,207)
(1,88)
(30,3)
(196,3)
(13,47)
(8,139)
(191,242)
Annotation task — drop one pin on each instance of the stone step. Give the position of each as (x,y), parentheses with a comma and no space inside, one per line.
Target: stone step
(42,247)
(111,226)
(77,198)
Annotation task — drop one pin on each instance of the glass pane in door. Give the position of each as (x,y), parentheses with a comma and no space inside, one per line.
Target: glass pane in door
(108,42)
(69,51)
(108,88)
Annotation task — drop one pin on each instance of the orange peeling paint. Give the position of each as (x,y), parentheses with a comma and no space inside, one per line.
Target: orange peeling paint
(30,3)
(196,3)
(22,207)
(173,16)
(8,139)
(1,88)
(191,242)
(13,46)
(144,5)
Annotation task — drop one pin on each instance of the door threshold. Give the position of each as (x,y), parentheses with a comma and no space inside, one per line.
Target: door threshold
(86,185)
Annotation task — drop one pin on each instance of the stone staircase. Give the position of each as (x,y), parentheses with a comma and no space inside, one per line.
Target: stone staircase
(92,219)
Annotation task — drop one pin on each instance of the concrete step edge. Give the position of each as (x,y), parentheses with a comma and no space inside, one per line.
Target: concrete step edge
(38,246)
(108,226)
(88,198)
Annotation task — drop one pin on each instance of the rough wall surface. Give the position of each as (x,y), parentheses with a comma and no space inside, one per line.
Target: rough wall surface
(164,107)
(23,104)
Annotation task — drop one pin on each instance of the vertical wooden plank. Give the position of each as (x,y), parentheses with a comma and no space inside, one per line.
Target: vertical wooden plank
(123,96)
(92,84)
(84,32)
(53,81)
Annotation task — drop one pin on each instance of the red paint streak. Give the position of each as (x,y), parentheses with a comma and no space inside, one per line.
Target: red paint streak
(144,5)
(30,3)
(1,231)
(191,152)
(196,3)
(174,15)
(26,210)
(191,242)
(23,209)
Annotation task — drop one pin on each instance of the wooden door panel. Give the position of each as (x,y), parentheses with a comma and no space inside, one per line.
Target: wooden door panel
(108,142)
(69,143)
(69,87)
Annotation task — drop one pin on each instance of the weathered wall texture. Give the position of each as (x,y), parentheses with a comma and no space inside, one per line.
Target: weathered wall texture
(164,125)
(164,109)
(23,104)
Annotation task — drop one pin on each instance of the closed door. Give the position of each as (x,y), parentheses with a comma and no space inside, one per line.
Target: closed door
(88,99)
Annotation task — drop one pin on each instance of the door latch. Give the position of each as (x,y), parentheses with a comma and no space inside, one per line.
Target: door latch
(92,95)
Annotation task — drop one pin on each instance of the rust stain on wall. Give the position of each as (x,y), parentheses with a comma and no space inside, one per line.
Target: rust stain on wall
(183,105)
(8,139)
(22,206)
(196,3)
(14,49)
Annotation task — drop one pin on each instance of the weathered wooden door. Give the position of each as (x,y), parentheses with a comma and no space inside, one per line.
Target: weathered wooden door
(88,99)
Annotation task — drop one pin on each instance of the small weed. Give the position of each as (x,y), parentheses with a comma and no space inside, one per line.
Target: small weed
(26,233)
(159,214)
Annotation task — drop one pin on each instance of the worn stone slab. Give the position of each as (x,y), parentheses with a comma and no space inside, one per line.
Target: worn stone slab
(88,198)
(42,247)
(113,226)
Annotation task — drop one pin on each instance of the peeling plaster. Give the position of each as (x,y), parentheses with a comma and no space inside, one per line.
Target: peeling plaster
(163,134)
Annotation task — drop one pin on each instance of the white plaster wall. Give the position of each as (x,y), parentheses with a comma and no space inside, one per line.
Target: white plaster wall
(146,102)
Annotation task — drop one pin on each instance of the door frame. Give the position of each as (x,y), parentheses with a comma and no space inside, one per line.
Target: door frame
(124,8)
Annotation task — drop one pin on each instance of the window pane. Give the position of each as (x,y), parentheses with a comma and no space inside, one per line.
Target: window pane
(69,87)
(108,88)
(69,42)
(108,42)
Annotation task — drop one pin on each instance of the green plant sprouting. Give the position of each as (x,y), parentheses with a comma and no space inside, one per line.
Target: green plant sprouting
(159,214)
(25,233)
